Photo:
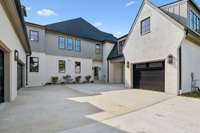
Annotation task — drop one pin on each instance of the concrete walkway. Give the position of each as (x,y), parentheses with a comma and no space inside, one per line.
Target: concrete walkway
(98,108)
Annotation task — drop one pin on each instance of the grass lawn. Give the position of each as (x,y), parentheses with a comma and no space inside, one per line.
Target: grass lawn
(192,94)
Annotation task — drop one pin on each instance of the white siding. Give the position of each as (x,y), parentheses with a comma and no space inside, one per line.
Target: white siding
(10,41)
(190,63)
(164,39)
(48,67)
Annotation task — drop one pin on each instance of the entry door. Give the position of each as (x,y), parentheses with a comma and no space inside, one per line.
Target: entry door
(96,73)
(19,76)
(1,76)
(149,76)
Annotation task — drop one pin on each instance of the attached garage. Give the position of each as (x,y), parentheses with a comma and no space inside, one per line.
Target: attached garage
(149,76)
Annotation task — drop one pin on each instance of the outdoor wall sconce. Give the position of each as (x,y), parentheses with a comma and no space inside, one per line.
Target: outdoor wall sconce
(16,55)
(127,64)
(170,59)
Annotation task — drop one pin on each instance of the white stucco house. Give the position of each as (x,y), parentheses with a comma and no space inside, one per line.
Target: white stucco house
(162,50)
(73,47)
(14,49)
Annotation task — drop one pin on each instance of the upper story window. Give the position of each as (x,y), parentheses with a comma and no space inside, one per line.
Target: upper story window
(121,46)
(34,64)
(78,67)
(61,66)
(70,42)
(98,49)
(34,35)
(77,45)
(145,26)
(194,21)
(61,42)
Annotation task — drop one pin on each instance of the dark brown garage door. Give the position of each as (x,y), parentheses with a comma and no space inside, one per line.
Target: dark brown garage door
(149,76)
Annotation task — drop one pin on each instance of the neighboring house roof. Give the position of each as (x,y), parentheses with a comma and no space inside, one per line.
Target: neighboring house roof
(114,52)
(81,28)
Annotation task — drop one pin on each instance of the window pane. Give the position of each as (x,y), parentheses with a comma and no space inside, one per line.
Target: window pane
(70,43)
(34,35)
(98,48)
(78,45)
(77,67)
(61,42)
(34,64)
(61,66)
(145,26)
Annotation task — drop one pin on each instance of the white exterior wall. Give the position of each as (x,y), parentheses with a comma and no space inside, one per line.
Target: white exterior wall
(8,43)
(116,74)
(107,47)
(38,78)
(190,63)
(164,39)
(48,67)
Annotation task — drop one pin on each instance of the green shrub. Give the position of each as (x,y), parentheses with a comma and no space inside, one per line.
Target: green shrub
(54,79)
(78,79)
(87,78)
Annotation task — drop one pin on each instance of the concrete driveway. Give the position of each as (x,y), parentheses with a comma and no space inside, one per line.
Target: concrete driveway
(98,108)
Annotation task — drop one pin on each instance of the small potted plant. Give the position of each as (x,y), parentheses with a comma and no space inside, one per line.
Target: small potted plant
(68,79)
(78,79)
(87,78)
(54,79)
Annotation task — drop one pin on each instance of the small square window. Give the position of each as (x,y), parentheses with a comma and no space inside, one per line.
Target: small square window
(145,26)
(34,35)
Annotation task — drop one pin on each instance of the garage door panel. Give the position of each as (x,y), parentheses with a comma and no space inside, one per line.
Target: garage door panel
(149,78)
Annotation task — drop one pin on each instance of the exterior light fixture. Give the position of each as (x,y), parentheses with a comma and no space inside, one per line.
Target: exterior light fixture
(170,59)
(127,64)
(16,55)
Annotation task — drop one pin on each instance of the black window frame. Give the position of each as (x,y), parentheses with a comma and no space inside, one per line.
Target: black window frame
(61,63)
(30,35)
(78,63)
(59,42)
(145,30)
(35,62)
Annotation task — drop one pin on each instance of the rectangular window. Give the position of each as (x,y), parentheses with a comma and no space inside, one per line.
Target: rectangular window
(77,67)
(98,49)
(145,26)
(61,66)
(61,42)
(77,45)
(121,46)
(194,21)
(34,35)
(34,64)
(70,43)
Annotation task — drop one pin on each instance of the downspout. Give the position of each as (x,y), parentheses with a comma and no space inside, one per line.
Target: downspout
(108,76)
(27,56)
(180,70)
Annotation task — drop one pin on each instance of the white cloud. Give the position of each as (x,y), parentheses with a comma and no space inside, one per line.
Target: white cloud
(46,13)
(28,8)
(130,3)
(98,24)
(118,34)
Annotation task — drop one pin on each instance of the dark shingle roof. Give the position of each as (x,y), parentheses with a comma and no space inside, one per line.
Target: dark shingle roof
(114,53)
(81,28)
